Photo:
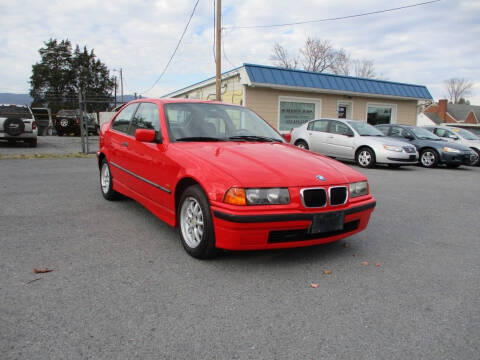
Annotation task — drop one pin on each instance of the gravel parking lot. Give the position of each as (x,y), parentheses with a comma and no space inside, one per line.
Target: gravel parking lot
(122,286)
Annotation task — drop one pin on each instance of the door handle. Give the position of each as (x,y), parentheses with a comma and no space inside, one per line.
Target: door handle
(125,144)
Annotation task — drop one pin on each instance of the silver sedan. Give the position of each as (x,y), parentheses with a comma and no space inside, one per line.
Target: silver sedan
(353,140)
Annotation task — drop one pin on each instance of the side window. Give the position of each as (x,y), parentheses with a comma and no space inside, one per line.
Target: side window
(443,133)
(122,120)
(320,125)
(339,128)
(383,129)
(397,132)
(146,117)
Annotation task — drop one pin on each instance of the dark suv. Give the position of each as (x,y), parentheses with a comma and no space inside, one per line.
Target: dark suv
(68,121)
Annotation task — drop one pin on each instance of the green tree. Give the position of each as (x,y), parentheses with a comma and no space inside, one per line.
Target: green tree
(60,75)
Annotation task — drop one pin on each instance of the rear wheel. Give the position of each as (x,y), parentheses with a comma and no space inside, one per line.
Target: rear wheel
(106,182)
(428,158)
(365,157)
(301,144)
(196,224)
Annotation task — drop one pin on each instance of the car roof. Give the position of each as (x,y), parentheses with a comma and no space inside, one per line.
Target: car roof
(179,100)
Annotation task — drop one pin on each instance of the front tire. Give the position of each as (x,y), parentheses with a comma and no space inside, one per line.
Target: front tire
(428,158)
(106,182)
(195,223)
(365,157)
(476,163)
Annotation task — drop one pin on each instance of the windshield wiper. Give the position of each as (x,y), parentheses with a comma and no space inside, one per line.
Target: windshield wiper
(254,138)
(199,138)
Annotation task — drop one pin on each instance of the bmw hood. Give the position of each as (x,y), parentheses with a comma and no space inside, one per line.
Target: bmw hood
(270,164)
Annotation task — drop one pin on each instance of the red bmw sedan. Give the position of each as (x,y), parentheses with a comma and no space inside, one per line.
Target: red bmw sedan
(227,179)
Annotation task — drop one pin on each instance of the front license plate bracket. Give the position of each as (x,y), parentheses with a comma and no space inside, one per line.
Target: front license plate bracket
(322,223)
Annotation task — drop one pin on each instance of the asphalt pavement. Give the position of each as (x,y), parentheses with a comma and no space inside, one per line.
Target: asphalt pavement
(122,287)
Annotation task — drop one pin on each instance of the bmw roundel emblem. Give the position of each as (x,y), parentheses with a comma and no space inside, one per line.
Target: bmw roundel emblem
(320,177)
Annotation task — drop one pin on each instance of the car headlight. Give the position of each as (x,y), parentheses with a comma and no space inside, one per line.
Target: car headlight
(358,188)
(451,150)
(392,148)
(260,196)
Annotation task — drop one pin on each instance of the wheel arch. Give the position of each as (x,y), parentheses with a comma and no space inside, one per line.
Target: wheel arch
(365,147)
(183,184)
(101,156)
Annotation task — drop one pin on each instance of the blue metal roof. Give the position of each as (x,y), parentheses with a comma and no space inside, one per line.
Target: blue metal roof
(269,75)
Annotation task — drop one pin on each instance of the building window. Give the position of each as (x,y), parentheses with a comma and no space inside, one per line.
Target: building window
(344,109)
(380,114)
(294,112)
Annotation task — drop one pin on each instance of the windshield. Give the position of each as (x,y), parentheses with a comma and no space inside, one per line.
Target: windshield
(15,110)
(364,129)
(465,134)
(216,122)
(424,134)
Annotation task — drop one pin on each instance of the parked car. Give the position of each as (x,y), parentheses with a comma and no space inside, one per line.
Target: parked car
(68,121)
(353,140)
(432,149)
(458,136)
(227,179)
(43,118)
(17,124)
(473,128)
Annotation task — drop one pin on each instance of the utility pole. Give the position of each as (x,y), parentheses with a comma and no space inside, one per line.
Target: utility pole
(121,82)
(218,53)
(115,82)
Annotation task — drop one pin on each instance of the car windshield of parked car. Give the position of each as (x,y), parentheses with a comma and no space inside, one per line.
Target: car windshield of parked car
(364,129)
(424,134)
(14,110)
(465,134)
(216,122)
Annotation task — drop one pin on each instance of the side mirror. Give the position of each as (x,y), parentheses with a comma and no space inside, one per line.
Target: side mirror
(350,134)
(453,136)
(408,136)
(145,135)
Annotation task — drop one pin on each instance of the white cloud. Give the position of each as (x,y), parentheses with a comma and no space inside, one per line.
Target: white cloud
(423,45)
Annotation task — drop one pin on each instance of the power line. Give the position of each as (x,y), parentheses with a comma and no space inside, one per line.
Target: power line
(174,52)
(332,19)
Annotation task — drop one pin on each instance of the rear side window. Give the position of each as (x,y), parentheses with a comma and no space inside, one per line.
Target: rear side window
(319,125)
(122,121)
(146,117)
(15,111)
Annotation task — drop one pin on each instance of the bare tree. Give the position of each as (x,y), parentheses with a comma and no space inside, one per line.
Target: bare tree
(364,68)
(318,55)
(281,57)
(342,63)
(458,88)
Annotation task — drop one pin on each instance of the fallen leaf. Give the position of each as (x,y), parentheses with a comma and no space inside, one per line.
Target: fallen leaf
(378,264)
(42,271)
(354,255)
(327,272)
(346,245)
(364,263)
(313,285)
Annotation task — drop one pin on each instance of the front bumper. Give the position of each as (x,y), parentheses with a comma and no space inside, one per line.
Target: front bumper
(464,158)
(393,157)
(285,230)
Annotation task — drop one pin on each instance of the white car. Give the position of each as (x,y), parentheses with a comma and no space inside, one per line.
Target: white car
(458,136)
(18,124)
(353,140)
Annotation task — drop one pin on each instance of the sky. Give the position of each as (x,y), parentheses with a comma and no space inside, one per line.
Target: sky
(422,45)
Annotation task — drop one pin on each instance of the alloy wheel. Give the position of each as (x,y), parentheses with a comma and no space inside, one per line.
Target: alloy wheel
(364,158)
(192,222)
(105,178)
(428,158)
